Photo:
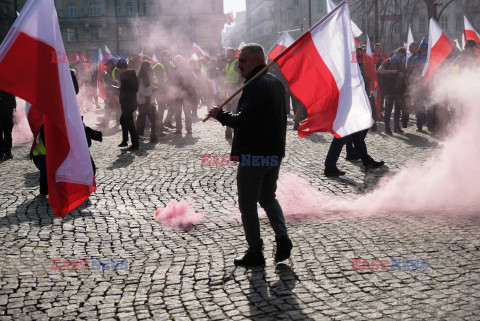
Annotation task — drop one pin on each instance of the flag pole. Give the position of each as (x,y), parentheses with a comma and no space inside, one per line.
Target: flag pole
(243,87)
(278,57)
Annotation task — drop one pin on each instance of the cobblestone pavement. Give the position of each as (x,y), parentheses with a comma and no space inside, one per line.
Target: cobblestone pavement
(189,274)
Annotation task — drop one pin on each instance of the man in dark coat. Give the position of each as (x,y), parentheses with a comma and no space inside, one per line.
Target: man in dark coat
(259,145)
(128,103)
(7,106)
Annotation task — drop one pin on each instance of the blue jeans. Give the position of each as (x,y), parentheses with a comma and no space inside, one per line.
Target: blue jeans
(257,184)
(358,140)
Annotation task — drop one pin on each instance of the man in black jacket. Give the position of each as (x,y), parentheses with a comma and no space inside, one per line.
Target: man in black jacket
(7,106)
(259,144)
(128,103)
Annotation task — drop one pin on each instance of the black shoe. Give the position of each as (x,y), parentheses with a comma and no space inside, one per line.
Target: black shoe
(132,148)
(8,155)
(332,172)
(284,248)
(374,127)
(405,124)
(373,166)
(352,157)
(178,132)
(295,126)
(251,258)
(123,144)
(420,130)
(153,140)
(388,131)
(398,130)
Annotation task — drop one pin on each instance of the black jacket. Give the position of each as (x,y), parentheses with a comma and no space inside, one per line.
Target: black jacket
(260,124)
(128,90)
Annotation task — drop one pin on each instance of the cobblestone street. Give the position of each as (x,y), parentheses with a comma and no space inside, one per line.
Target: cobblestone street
(189,274)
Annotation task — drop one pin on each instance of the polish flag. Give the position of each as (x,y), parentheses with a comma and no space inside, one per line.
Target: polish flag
(141,55)
(282,43)
(321,74)
(46,83)
(439,47)
(230,19)
(108,54)
(470,33)
(196,49)
(355,29)
(409,41)
(154,59)
(371,73)
(237,51)
(100,70)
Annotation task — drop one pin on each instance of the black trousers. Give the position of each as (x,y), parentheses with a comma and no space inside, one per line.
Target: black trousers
(145,110)
(128,126)
(6,127)
(41,162)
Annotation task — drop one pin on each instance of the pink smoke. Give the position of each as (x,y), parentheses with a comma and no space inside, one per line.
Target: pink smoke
(178,214)
(448,184)
(21,130)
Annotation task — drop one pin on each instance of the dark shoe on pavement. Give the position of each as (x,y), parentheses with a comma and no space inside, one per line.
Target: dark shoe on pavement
(388,131)
(398,130)
(123,144)
(8,155)
(295,126)
(373,166)
(251,258)
(133,147)
(405,123)
(153,140)
(420,130)
(352,157)
(333,172)
(178,132)
(374,127)
(284,248)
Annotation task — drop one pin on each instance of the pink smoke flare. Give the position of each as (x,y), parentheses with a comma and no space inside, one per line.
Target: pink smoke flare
(178,214)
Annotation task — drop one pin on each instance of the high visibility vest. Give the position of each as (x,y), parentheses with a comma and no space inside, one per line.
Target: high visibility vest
(155,80)
(232,76)
(113,73)
(39,148)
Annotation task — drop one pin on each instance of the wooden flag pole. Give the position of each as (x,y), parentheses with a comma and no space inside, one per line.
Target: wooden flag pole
(243,87)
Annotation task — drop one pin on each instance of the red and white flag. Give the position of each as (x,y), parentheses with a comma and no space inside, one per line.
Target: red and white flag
(355,29)
(230,18)
(46,83)
(237,51)
(141,55)
(196,49)
(155,59)
(470,32)
(108,54)
(101,68)
(282,43)
(439,47)
(321,74)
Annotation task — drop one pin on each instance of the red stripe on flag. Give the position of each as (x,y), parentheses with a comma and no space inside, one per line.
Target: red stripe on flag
(439,52)
(471,35)
(276,50)
(313,84)
(39,84)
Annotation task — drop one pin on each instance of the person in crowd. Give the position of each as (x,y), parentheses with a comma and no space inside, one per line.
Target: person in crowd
(418,64)
(146,105)
(259,132)
(410,93)
(128,103)
(393,71)
(7,107)
(232,84)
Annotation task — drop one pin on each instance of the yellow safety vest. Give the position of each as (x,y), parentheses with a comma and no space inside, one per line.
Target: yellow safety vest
(39,148)
(155,80)
(113,73)
(232,76)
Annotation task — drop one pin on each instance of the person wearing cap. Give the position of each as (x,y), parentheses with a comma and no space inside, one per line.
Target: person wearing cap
(128,104)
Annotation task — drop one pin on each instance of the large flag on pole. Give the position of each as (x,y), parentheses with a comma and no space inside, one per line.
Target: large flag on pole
(101,68)
(282,43)
(439,47)
(108,54)
(409,41)
(470,32)
(46,83)
(321,74)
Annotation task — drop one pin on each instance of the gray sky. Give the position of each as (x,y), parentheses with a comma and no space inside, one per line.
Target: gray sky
(233,5)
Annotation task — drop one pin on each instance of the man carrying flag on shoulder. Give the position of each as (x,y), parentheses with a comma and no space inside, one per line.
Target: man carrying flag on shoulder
(232,83)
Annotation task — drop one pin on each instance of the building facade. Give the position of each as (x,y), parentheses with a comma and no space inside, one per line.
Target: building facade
(128,26)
